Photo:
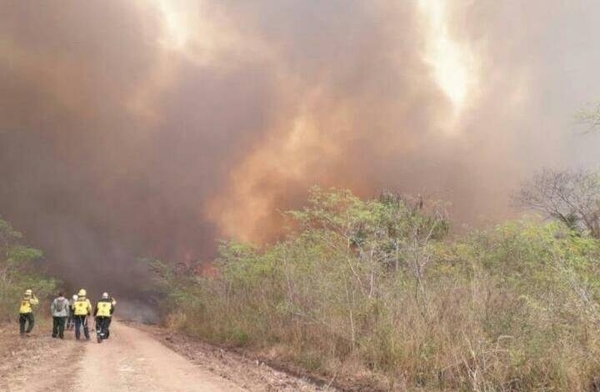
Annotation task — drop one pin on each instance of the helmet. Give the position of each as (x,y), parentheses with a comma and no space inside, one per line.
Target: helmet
(28,292)
(82,293)
(105,295)
(75,297)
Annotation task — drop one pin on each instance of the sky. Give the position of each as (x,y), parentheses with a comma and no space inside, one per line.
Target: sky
(154,128)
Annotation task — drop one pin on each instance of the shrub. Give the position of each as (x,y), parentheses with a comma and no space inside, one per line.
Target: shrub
(377,288)
(18,272)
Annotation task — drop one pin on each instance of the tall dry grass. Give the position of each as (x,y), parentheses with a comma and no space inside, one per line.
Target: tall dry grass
(509,309)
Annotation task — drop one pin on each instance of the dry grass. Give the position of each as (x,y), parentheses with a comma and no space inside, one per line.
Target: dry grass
(511,309)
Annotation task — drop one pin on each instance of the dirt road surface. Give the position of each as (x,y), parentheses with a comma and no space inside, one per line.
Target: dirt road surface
(132,360)
(137,362)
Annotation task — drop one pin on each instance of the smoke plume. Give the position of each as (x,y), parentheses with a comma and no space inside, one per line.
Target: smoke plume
(152,128)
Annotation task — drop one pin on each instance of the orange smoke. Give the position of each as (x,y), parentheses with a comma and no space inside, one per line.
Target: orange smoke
(308,145)
(151,128)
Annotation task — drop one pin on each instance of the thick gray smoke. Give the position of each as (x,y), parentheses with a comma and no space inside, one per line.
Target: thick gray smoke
(151,128)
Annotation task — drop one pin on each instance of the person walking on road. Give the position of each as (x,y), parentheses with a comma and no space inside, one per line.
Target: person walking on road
(71,317)
(82,309)
(26,312)
(113,301)
(103,315)
(60,311)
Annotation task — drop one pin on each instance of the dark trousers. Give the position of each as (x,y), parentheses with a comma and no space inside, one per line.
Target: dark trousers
(102,324)
(58,327)
(70,322)
(26,318)
(81,321)
(108,321)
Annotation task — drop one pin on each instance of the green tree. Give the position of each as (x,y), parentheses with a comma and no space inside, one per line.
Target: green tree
(17,271)
(377,289)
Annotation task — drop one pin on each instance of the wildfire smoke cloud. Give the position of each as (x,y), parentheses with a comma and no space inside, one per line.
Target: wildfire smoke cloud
(154,127)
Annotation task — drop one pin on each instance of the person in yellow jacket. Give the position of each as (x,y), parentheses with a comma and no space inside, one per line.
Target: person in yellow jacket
(26,312)
(103,314)
(82,308)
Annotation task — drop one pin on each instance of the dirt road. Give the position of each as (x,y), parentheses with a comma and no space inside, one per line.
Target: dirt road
(131,360)
(134,361)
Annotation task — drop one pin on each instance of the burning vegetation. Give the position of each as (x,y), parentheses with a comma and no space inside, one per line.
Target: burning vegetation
(154,128)
(161,129)
(378,294)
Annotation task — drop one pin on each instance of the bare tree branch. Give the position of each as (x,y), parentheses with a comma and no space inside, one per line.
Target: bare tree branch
(572,197)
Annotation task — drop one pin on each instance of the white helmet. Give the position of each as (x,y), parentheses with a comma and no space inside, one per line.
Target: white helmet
(105,295)
(75,297)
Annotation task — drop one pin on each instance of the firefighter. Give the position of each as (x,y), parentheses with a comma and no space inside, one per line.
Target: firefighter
(82,310)
(60,311)
(103,314)
(113,301)
(71,318)
(26,312)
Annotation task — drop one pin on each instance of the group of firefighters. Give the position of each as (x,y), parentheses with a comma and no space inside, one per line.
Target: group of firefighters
(70,314)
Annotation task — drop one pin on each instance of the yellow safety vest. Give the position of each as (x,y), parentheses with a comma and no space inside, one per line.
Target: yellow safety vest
(82,307)
(103,309)
(26,305)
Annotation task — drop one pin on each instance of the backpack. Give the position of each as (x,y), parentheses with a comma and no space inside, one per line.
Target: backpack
(60,305)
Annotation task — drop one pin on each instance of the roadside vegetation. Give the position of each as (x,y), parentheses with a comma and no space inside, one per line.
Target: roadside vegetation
(19,271)
(379,293)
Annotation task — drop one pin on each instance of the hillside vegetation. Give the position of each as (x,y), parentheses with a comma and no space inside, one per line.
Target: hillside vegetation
(18,272)
(378,292)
